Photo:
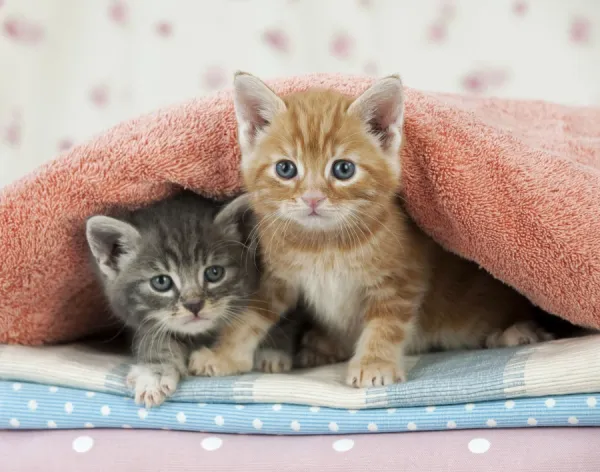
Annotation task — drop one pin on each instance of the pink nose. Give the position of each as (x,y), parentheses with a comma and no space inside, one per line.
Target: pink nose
(313,199)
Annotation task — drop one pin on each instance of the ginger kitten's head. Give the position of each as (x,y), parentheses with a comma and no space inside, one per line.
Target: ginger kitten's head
(318,158)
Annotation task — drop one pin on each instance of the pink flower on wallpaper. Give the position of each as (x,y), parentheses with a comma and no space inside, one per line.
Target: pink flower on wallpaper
(277,39)
(65,144)
(118,11)
(447,10)
(437,32)
(371,68)
(480,81)
(11,133)
(214,78)
(342,45)
(580,31)
(1,3)
(99,95)
(520,8)
(164,28)
(23,30)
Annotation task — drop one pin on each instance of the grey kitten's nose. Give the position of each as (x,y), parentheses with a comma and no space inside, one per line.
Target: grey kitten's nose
(195,306)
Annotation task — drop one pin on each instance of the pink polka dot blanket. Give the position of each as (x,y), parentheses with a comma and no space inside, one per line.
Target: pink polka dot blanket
(83,386)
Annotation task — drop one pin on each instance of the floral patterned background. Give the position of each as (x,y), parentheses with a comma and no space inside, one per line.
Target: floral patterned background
(71,68)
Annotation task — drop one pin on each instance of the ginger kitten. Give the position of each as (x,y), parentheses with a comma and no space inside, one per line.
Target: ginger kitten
(322,170)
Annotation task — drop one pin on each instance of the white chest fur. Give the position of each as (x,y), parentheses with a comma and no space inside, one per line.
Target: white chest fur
(331,285)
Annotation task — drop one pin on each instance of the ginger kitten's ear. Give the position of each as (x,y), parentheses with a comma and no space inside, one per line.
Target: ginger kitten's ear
(381,108)
(255,107)
(112,243)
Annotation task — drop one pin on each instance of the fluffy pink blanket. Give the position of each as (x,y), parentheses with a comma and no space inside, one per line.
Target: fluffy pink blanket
(512,185)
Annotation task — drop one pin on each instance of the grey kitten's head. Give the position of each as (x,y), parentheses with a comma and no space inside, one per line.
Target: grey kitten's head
(179,264)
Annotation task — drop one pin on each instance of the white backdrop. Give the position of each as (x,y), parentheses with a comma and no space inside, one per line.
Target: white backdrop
(71,68)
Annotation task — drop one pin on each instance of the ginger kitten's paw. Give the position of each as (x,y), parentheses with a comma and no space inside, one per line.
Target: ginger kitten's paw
(207,362)
(152,384)
(272,361)
(374,374)
(526,332)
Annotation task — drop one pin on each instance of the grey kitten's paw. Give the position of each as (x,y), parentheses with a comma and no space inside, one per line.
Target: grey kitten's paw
(152,384)
(526,332)
(272,361)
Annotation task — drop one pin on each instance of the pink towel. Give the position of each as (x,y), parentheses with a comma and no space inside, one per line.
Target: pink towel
(512,185)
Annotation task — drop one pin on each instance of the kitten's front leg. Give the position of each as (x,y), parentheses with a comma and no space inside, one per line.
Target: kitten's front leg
(378,359)
(159,368)
(236,345)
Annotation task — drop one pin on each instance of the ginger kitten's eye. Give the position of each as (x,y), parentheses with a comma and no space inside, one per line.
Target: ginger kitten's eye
(161,283)
(214,274)
(343,170)
(286,169)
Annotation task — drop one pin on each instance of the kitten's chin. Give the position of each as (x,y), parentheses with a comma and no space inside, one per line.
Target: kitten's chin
(191,325)
(316,222)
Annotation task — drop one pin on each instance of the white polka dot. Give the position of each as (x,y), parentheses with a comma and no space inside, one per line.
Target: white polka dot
(15,423)
(573,420)
(201,405)
(126,426)
(550,403)
(143,413)
(314,409)
(411,426)
(17,386)
(343,445)
(211,444)
(276,407)
(333,427)
(430,409)
(352,412)
(479,445)
(181,418)
(372,427)
(82,444)
(219,420)
(591,402)
(51,424)
(90,394)
(469,407)
(509,404)
(239,407)
(68,408)
(391,411)
(531,421)
(295,425)
(257,424)
(53,389)
(88,425)
(491,423)
(105,410)
(32,405)
(451,424)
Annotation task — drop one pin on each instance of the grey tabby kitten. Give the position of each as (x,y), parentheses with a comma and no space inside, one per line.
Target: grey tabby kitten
(175,273)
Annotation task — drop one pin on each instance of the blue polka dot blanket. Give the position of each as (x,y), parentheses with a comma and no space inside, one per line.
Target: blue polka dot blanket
(83,386)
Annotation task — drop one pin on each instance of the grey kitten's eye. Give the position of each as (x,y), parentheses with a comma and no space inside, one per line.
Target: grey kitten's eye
(286,169)
(343,170)
(161,283)
(214,274)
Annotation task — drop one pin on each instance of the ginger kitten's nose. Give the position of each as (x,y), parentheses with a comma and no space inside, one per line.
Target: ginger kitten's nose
(313,199)
(194,306)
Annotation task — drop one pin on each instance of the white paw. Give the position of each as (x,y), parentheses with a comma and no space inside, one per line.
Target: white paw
(272,361)
(519,334)
(152,384)
(374,374)
(207,362)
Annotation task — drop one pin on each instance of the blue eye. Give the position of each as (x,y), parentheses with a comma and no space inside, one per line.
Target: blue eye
(214,274)
(161,283)
(343,170)
(286,169)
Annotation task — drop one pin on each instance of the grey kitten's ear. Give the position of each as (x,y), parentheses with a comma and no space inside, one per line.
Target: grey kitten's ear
(255,107)
(381,109)
(232,216)
(112,243)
